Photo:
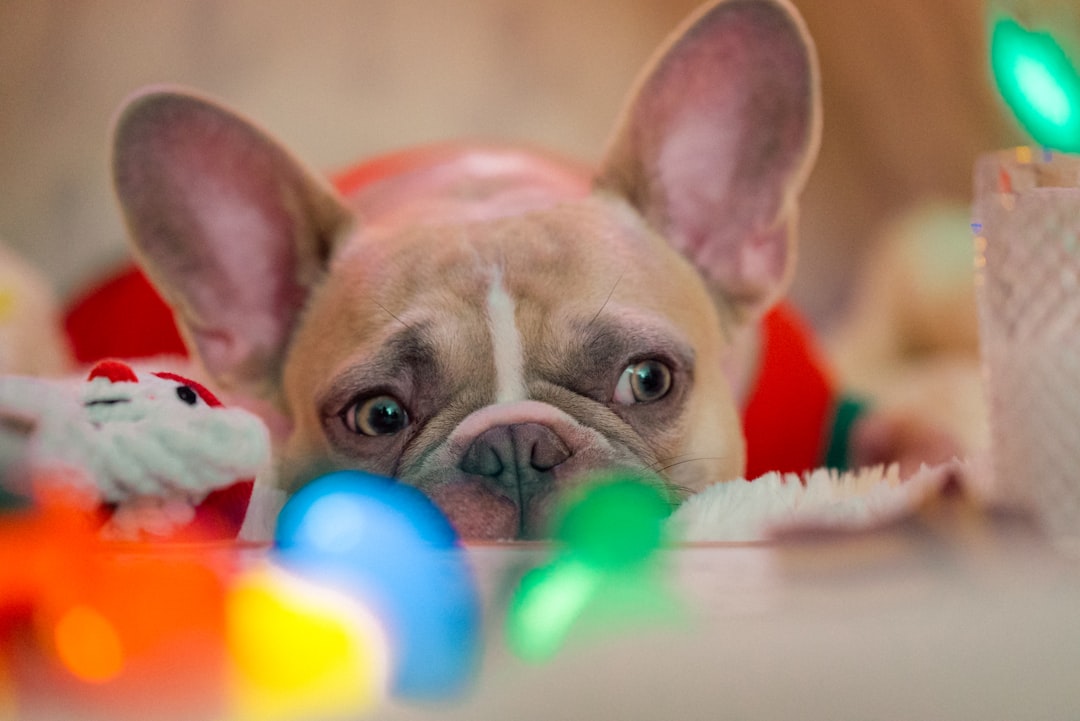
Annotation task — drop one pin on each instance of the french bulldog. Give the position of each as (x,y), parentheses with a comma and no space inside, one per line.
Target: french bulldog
(488,323)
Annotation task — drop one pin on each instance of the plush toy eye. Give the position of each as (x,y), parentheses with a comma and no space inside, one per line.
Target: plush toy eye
(377,416)
(187,394)
(643,382)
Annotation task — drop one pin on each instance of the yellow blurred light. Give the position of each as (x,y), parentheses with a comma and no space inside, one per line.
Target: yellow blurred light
(8,304)
(301,651)
(88,645)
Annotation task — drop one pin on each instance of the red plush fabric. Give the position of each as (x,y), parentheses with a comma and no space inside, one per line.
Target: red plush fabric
(123,317)
(114,370)
(221,514)
(208,397)
(788,417)
(352,180)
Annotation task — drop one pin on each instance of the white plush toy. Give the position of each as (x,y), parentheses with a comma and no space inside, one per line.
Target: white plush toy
(160,451)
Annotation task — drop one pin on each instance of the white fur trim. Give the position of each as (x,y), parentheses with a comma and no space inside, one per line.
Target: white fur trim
(748,511)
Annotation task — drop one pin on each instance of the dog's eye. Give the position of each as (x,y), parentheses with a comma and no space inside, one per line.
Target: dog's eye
(643,382)
(376,416)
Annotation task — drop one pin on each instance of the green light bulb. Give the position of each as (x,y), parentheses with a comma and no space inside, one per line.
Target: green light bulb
(1038,82)
(548,603)
(605,571)
(615,523)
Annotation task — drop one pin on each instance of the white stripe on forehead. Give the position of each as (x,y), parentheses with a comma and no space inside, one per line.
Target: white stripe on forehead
(506,342)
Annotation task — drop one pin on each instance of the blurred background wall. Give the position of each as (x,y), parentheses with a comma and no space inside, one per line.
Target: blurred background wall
(907,100)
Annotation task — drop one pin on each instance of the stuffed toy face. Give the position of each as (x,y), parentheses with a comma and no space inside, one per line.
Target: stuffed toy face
(114,394)
(157,449)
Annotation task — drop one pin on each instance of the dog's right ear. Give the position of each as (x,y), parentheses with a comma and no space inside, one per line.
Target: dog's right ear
(231,228)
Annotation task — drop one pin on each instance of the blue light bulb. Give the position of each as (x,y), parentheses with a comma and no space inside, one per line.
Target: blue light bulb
(387,544)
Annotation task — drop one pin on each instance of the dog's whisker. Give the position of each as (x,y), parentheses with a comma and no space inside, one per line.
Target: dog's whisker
(660,462)
(386,310)
(606,300)
(679,492)
(683,491)
(669,463)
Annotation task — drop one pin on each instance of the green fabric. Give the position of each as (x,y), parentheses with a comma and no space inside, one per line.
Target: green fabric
(848,410)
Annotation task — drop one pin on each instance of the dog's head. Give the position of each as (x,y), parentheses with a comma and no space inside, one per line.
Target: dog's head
(486,323)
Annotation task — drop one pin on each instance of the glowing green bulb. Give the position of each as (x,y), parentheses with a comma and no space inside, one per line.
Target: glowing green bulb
(1043,91)
(616,523)
(1039,83)
(605,572)
(548,603)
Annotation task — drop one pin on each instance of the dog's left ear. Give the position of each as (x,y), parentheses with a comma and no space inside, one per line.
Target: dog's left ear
(716,142)
(233,230)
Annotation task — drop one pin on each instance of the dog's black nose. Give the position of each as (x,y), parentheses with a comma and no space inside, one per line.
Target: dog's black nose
(515,455)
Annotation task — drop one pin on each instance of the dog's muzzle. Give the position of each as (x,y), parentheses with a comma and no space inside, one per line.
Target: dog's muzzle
(516,460)
(509,462)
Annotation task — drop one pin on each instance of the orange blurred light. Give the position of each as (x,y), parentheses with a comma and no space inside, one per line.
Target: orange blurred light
(88,645)
(158,597)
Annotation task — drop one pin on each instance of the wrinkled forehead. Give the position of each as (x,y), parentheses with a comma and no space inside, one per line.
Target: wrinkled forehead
(522,282)
(484,301)
(571,252)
